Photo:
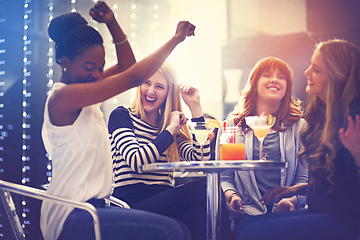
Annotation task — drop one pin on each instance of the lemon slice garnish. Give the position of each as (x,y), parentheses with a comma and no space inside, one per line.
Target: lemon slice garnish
(212,124)
(271,120)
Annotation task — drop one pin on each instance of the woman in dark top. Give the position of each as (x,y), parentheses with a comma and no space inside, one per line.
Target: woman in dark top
(331,147)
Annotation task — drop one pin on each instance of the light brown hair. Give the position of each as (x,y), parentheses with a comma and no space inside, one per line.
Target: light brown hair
(321,136)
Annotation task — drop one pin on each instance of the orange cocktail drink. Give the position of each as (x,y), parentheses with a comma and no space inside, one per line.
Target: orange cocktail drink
(232,151)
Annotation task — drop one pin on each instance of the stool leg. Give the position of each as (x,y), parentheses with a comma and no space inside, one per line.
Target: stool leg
(12,215)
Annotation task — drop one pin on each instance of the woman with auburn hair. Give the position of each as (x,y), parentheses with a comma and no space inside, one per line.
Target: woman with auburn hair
(153,130)
(268,91)
(332,150)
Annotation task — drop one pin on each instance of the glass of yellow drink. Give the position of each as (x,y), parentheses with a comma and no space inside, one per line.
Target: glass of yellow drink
(261,126)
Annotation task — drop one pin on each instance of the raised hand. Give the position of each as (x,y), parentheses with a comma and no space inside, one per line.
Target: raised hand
(191,97)
(189,94)
(102,13)
(184,29)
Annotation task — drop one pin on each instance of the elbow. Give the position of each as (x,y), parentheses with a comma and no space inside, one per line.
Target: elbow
(136,79)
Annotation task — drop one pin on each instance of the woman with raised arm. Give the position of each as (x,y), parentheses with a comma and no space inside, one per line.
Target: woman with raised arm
(75,134)
(331,148)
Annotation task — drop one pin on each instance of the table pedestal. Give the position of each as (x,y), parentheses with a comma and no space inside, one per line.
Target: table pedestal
(213,205)
(213,170)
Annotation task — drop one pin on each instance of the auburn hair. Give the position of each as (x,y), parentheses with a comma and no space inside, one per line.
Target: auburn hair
(289,110)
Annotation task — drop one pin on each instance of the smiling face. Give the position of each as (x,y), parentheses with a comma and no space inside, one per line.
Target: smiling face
(87,67)
(271,86)
(153,94)
(317,76)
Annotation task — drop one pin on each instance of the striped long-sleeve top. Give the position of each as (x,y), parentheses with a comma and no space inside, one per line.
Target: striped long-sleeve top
(134,142)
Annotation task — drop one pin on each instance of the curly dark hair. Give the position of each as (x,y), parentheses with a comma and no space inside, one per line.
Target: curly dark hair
(72,35)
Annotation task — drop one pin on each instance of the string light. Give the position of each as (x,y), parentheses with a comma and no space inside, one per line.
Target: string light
(73,8)
(3,131)
(133,23)
(155,23)
(26,126)
(50,75)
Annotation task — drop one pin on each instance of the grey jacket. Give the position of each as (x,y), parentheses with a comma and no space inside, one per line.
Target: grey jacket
(244,182)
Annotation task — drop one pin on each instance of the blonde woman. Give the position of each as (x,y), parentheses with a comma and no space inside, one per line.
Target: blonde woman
(153,130)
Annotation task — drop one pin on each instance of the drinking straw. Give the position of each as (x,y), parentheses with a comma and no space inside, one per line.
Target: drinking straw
(239,124)
(233,135)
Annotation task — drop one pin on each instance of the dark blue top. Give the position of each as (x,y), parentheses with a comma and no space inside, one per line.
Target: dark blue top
(341,199)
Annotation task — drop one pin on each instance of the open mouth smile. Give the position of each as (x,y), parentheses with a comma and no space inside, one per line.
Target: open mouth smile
(273,88)
(150,99)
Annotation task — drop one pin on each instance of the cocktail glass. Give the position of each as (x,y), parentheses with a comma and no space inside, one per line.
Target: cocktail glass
(201,133)
(232,146)
(261,126)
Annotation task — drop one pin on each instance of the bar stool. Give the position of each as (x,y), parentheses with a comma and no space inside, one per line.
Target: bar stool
(7,187)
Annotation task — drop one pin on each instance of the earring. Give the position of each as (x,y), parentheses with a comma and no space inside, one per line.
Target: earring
(64,69)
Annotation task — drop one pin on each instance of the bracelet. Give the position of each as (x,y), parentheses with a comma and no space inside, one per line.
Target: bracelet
(298,200)
(121,42)
(232,195)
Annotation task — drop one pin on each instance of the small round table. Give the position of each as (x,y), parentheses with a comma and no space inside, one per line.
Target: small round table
(212,169)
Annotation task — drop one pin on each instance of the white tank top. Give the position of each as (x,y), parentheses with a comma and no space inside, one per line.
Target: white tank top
(81,161)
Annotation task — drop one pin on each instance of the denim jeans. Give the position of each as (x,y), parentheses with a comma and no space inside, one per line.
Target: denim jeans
(187,204)
(123,224)
(294,225)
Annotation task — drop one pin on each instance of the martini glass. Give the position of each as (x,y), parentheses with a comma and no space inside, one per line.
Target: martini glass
(261,126)
(201,133)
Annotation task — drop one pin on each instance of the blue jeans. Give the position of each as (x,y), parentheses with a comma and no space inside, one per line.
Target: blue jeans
(187,204)
(126,224)
(294,225)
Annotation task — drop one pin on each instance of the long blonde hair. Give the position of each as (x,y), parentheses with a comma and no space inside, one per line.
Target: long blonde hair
(171,103)
(289,110)
(321,136)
